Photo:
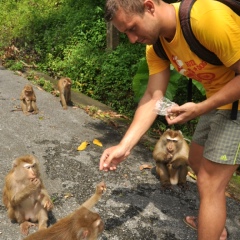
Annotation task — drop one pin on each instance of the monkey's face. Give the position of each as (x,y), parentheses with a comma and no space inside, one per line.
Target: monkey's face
(171,144)
(28,92)
(67,84)
(31,170)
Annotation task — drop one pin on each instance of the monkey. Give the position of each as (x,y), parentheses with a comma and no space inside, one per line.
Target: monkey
(81,224)
(171,155)
(24,194)
(28,100)
(64,87)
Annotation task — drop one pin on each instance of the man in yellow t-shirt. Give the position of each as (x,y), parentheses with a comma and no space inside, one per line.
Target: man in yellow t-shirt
(215,148)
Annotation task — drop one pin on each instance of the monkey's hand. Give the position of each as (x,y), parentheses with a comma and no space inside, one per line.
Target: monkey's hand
(45,200)
(178,163)
(47,204)
(101,187)
(35,182)
(169,157)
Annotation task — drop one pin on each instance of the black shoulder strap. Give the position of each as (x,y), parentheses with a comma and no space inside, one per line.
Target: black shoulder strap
(233,4)
(158,48)
(194,44)
(234,111)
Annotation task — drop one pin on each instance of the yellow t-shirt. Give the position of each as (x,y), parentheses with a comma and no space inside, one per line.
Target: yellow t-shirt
(217,28)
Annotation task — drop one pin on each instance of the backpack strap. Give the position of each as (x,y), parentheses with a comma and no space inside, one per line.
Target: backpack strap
(233,4)
(189,90)
(159,50)
(194,44)
(234,111)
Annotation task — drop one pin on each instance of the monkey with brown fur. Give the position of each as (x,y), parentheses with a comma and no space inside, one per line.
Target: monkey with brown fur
(171,156)
(81,224)
(64,87)
(28,100)
(25,196)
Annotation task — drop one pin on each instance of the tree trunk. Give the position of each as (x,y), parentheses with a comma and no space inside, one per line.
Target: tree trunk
(112,36)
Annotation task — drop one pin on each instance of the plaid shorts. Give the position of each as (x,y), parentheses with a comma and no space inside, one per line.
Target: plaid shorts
(220,137)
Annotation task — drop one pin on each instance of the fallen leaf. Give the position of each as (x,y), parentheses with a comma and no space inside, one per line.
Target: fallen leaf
(39,88)
(68,195)
(19,73)
(97,142)
(227,194)
(192,175)
(82,146)
(145,166)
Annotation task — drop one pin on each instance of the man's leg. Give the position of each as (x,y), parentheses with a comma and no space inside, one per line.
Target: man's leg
(195,159)
(195,156)
(212,181)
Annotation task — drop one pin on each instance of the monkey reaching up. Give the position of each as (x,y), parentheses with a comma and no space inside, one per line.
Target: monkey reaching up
(24,195)
(28,100)
(64,87)
(83,224)
(171,156)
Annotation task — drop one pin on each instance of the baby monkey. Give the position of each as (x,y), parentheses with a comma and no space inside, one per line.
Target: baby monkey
(83,224)
(64,87)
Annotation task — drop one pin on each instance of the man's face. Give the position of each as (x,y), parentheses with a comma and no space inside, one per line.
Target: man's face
(141,29)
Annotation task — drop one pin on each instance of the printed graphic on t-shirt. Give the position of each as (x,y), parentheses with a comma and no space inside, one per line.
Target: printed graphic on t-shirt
(191,69)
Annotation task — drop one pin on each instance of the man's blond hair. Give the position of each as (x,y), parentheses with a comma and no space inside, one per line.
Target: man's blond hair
(129,6)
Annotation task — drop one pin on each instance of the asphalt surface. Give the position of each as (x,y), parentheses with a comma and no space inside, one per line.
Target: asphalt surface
(133,207)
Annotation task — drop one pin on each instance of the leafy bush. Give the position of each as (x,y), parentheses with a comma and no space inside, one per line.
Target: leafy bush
(114,83)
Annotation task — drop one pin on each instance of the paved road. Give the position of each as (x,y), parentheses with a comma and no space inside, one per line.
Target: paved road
(133,207)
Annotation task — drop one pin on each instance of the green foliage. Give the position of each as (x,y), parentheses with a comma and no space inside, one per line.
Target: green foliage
(15,66)
(45,84)
(140,80)
(49,26)
(114,83)
(42,82)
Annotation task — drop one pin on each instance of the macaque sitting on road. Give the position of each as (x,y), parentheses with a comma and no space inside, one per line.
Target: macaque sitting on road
(64,87)
(83,224)
(24,195)
(171,156)
(28,100)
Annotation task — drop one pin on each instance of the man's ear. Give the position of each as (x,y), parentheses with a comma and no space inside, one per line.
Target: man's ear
(149,6)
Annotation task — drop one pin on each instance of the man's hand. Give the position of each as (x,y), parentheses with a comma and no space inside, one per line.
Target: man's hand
(112,156)
(182,113)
